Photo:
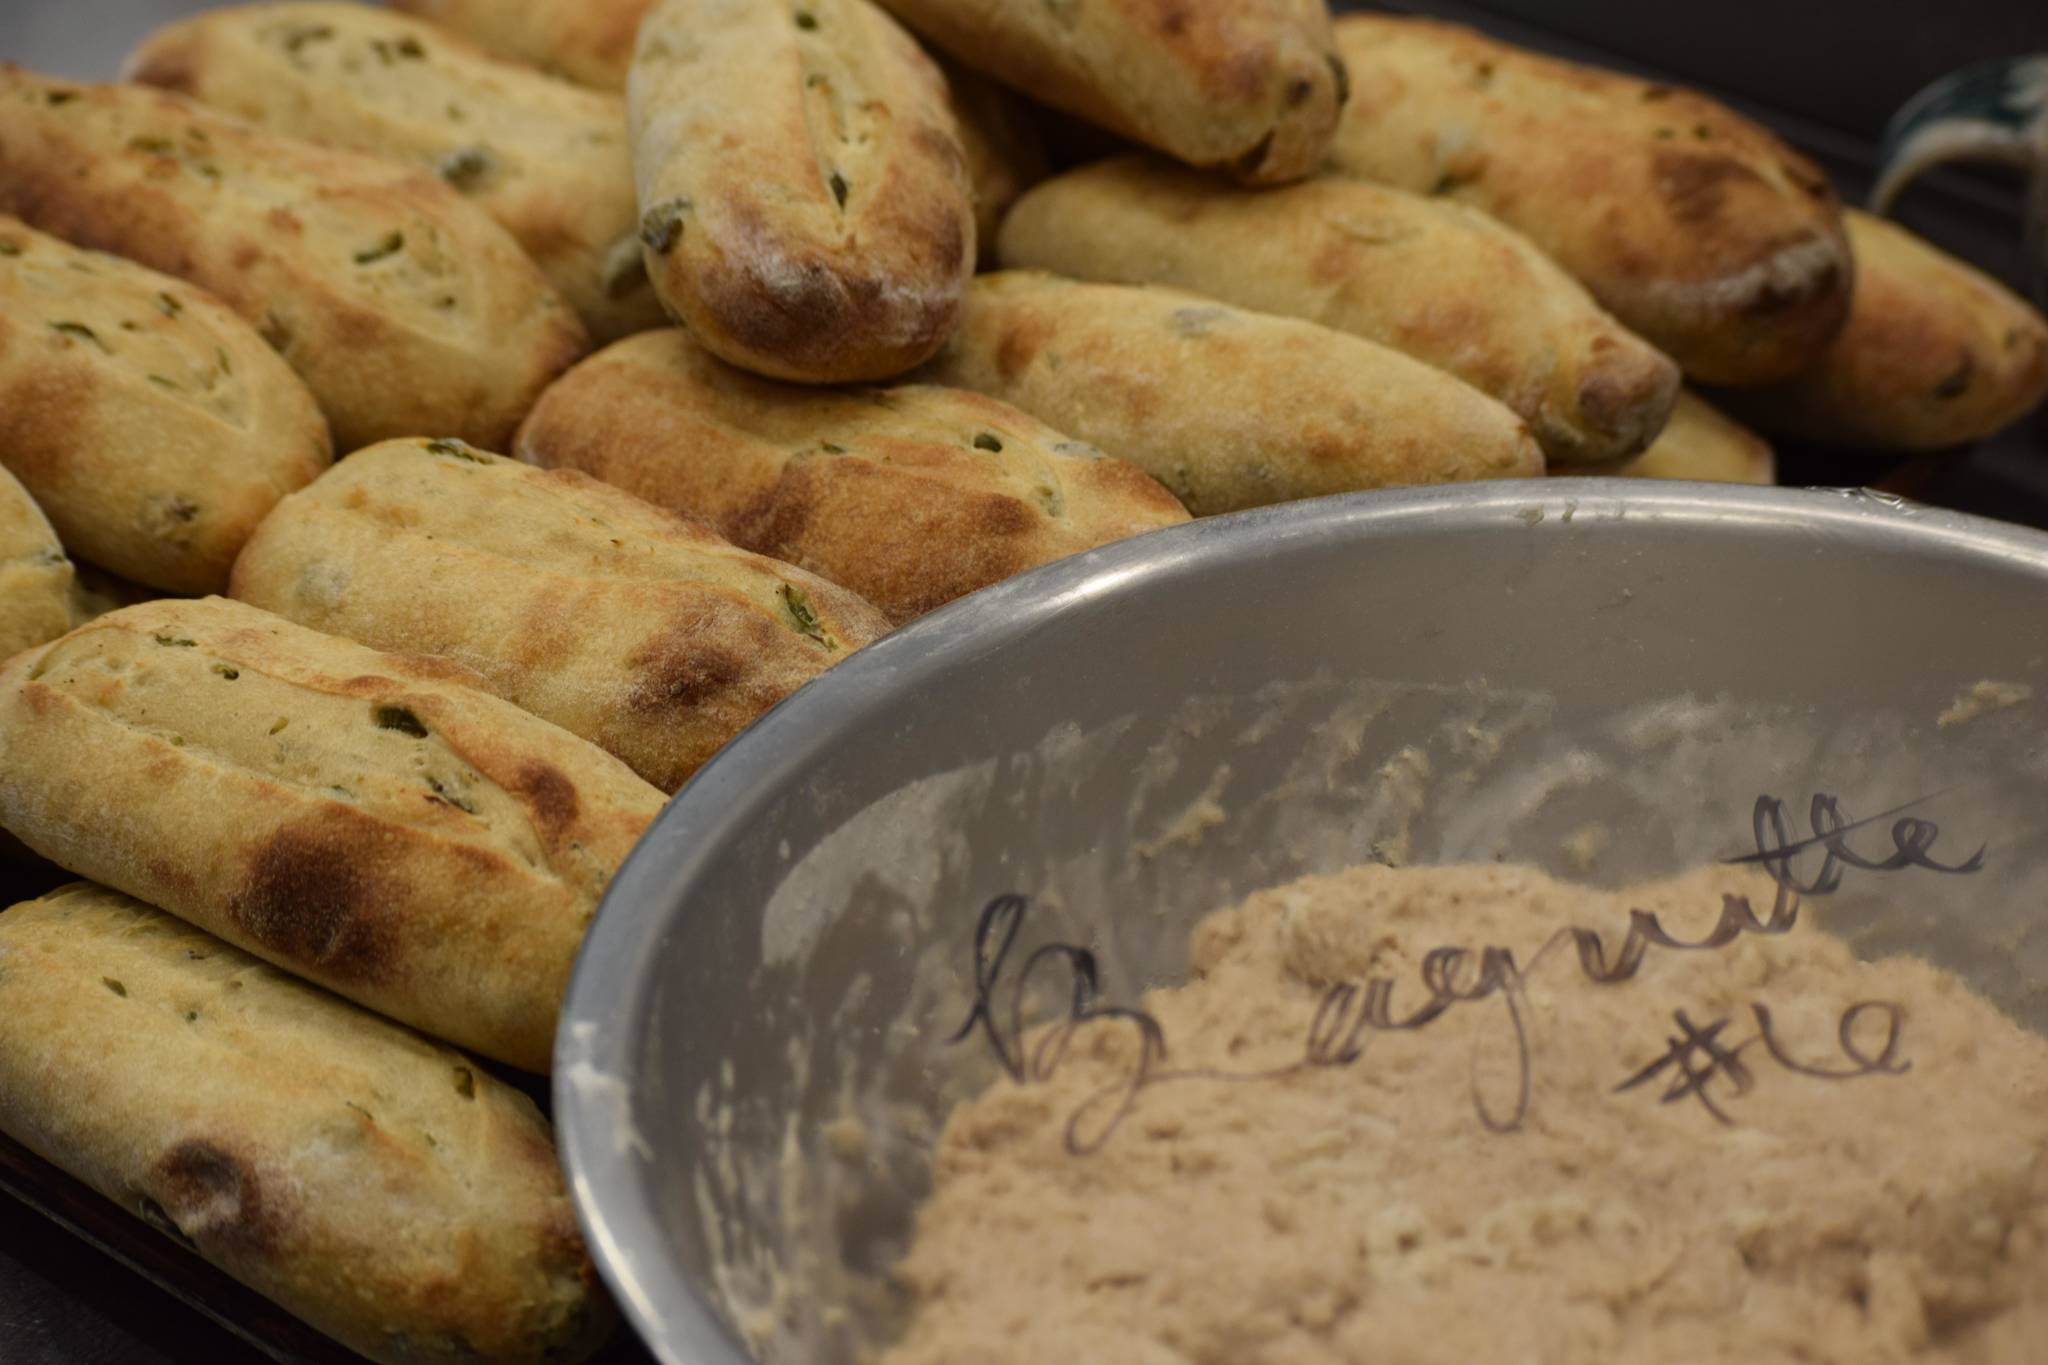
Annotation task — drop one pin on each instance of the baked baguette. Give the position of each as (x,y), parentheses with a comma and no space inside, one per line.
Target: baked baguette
(546,158)
(1698,229)
(1702,444)
(1935,354)
(645,633)
(1229,409)
(1434,280)
(804,199)
(377,824)
(404,307)
(909,496)
(586,41)
(379,1186)
(151,423)
(1252,87)
(1004,151)
(36,579)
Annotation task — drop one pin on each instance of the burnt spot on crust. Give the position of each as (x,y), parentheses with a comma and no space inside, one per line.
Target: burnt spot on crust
(312,897)
(168,67)
(548,793)
(1694,185)
(213,1198)
(824,316)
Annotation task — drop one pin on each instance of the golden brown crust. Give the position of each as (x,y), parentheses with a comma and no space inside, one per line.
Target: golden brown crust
(909,496)
(1229,409)
(1695,227)
(547,159)
(643,632)
(1699,443)
(377,824)
(1251,88)
(804,200)
(152,424)
(36,582)
(323,1156)
(1434,280)
(1935,354)
(587,41)
(403,307)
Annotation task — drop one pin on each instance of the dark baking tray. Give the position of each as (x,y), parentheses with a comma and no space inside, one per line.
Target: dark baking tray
(83,1283)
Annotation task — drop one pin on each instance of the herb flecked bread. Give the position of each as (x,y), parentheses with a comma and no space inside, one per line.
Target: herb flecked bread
(371,1182)
(1699,230)
(1935,354)
(587,41)
(1702,444)
(404,307)
(645,633)
(1252,87)
(378,824)
(152,424)
(1434,280)
(36,578)
(1229,409)
(549,160)
(910,496)
(804,200)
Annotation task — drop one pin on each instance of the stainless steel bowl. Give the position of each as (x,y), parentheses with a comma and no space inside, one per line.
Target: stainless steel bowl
(754,1052)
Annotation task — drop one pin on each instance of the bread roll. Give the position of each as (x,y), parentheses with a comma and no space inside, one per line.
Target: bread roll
(910,496)
(374,823)
(1701,444)
(35,576)
(1698,229)
(803,195)
(151,423)
(1251,88)
(1228,409)
(1935,354)
(1434,280)
(587,41)
(546,158)
(382,1188)
(403,306)
(645,633)
(1005,153)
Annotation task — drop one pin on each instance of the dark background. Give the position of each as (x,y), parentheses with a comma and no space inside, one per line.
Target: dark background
(1825,73)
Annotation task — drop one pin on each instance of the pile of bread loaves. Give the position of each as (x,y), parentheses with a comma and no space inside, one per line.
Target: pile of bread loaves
(375,733)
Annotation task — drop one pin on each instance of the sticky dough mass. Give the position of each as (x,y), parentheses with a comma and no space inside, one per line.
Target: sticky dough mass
(1366,1213)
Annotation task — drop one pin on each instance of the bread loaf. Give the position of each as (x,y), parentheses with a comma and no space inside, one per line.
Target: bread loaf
(1229,409)
(910,496)
(1699,230)
(1005,154)
(1251,88)
(36,583)
(403,306)
(1935,354)
(1434,280)
(587,41)
(373,823)
(645,633)
(152,424)
(803,194)
(1699,443)
(379,1186)
(547,159)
